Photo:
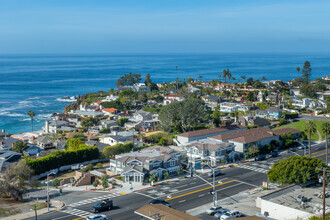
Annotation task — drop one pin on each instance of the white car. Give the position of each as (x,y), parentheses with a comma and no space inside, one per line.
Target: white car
(230,215)
(98,217)
(213,210)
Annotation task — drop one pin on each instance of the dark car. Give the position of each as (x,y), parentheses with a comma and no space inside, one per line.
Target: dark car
(102,206)
(160,201)
(274,154)
(216,173)
(260,157)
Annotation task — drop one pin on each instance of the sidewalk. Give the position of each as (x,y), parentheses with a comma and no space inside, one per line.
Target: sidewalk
(56,205)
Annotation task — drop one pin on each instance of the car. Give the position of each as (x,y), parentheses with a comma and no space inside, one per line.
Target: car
(160,201)
(293,149)
(102,206)
(220,212)
(231,214)
(274,153)
(301,198)
(216,173)
(98,217)
(260,157)
(213,210)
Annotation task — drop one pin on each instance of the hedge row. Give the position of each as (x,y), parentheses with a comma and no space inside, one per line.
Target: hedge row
(117,149)
(61,158)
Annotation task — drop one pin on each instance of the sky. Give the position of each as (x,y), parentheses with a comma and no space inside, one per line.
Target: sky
(168,26)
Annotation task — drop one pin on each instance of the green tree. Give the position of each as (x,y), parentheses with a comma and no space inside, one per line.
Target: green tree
(122,121)
(31,114)
(166,175)
(56,182)
(298,70)
(79,136)
(296,169)
(190,80)
(254,151)
(19,146)
(128,79)
(326,131)
(250,81)
(73,144)
(104,181)
(263,78)
(117,149)
(95,183)
(147,80)
(306,71)
(183,116)
(216,117)
(309,130)
(89,122)
(229,75)
(15,180)
(153,178)
(243,78)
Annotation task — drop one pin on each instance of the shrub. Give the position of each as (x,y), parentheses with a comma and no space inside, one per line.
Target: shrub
(117,149)
(60,158)
(122,121)
(79,136)
(105,130)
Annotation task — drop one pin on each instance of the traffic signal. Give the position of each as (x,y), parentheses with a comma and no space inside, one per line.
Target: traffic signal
(60,192)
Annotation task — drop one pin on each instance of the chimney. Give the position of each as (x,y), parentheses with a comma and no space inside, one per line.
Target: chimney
(12,145)
(32,138)
(3,130)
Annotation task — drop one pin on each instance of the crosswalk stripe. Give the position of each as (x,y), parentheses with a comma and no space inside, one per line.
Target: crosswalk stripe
(77,212)
(94,199)
(257,169)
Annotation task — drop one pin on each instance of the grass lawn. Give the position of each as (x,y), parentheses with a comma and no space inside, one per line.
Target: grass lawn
(8,211)
(65,175)
(300,126)
(40,205)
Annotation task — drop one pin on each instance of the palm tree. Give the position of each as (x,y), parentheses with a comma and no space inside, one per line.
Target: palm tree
(310,129)
(31,114)
(228,75)
(224,74)
(298,70)
(264,78)
(243,78)
(234,79)
(326,131)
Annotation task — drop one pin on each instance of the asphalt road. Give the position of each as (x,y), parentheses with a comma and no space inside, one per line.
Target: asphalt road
(184,194)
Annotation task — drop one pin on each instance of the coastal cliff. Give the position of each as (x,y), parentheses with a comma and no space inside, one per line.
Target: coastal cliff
(85,99)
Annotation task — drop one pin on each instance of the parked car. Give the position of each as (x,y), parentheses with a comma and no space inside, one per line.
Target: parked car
(213,210)
(301,198)
(160,201)
(260,157)
(102,206)
(98,217)
(231,214)
(274,153)
(220,212)
(216,173)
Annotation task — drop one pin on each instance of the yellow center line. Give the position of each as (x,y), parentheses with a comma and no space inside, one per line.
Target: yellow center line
(199,190)
(319,155)
(78,218)
(318,151)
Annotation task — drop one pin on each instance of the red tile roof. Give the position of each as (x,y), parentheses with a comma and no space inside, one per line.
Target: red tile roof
(110,110)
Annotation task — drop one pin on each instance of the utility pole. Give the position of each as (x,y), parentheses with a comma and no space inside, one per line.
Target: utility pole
(323,215)
(177,78)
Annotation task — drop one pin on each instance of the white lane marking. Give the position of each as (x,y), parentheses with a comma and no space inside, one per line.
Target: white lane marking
(201,195)
(61,217)
(182,201)
(144,195)
(246,183)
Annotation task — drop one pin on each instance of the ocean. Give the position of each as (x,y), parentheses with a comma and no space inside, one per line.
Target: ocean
(36,82)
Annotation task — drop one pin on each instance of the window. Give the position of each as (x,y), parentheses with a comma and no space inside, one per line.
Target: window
(172,163)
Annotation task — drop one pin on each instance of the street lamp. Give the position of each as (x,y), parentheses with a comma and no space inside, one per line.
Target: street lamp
(302,145)
(48,189)
(213,185)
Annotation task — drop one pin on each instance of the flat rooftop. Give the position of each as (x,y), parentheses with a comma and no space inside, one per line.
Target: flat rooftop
(288,197)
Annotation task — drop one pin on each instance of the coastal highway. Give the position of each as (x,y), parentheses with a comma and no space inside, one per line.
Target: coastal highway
(185,194)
